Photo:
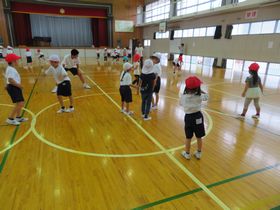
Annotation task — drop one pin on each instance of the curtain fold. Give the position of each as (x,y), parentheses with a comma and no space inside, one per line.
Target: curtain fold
(22,28)
(64,31)
(99,32)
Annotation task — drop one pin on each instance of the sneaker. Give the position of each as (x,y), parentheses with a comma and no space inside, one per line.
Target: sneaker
(186,155)
(154,107)
(62,111)
(240,116)
(54,90)
(129,113)
(257,116)
(86,86)
(71,109)
(147,118)
(21,119)
(12,122)
(197,155)
(143,115)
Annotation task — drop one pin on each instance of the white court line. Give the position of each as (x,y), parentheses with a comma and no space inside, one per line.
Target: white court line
(171,157)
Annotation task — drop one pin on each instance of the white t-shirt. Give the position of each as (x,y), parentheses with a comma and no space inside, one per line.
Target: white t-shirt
(97,51)
(69,62)
(157,69)
(126,79)
(192,103)
(139,50)
(136,66)
(59,74)
(28,54)
(1,50)
(182,49)
(11,73)
(9,51)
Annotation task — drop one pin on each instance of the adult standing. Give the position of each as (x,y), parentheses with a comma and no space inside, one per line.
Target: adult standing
(182,49)
(157,71)
(147,84)
(139,50)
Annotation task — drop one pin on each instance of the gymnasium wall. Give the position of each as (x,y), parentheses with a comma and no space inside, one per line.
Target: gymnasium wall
(248,47)
(3,28)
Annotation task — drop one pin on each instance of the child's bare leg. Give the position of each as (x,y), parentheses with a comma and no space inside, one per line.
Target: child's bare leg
(80,75)
(16,110)
(19,108)
(188,145)
(71,99)
(60,100)
(257,106)
(157,98)
(127,107)
(246,105)
(199,144)
(122,105)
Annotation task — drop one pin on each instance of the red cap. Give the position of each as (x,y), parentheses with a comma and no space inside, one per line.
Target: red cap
(27,49)
(193,82)
(254,67)
(12,57)
(136,58)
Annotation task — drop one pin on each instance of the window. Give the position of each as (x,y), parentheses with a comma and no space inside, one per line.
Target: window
(274,69)
(158,10)
(199,32)
(188,33)
(240,29)
(210,31)
(265,27)
(178,33)
(278,27)
(147,43)
(162,35)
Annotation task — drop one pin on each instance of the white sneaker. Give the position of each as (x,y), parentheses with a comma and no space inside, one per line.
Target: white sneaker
(62,111)
(22,119)
(186,155)
(122,110)
(256,117)
(71,109)
(143,115)
(147,118)
(241,117)
(154,107)
(197,155)
(129,113)
(12,122)
(54,90)
(86,86)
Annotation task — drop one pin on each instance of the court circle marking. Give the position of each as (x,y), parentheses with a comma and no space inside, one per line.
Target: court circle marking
(65,149)
(24,135)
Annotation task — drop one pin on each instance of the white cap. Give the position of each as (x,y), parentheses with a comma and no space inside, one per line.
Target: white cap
(127,66)
(1,46)
(54,58)
(148,67)
(9,47)
(157,55)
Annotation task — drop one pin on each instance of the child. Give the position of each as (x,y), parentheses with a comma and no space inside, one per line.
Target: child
(118,53)
(125,90)
(14,89)
(9,50)
(114,55)
(71,62)
(125,59)
(157,70)
(177,62)
(98,53)
(147,84)
(139,50)
(124,52)
(105,54)
(129,52)
(136,67)
(191,100)
(28,55)
(63,83)
(1,52)
(252,91)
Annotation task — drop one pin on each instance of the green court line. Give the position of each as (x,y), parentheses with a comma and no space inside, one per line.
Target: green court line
(175,197)
(276,208)
(4,160)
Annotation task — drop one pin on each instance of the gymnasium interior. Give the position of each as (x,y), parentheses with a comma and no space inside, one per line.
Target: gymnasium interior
(98,158)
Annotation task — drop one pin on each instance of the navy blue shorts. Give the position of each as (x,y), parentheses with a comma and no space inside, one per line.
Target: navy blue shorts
(194,124)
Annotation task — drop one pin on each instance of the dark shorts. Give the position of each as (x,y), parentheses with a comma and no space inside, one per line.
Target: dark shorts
(194,124)
(74,71)
(1,56)
(41,56)
(29,59)
(158,84)
(98,55)
(15,93)
(64,89)
(126,94)
(174,64)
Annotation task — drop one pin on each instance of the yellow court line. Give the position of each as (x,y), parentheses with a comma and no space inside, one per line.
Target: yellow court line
(24,135)
(171,157)
(65,149)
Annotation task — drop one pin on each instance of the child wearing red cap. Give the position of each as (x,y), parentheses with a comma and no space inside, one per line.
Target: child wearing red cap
(191,100)
(14,89)
(136,67)
(28,55)
(252,91)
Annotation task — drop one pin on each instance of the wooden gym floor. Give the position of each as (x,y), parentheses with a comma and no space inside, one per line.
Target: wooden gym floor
(98,158)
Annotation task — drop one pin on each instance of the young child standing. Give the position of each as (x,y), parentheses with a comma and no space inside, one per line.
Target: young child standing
(1,52)
(125,90)
(14,89)
(252,91)
(191,100)
(136,67)
(98,53)
(158,72)
(63,83)
(105,54)
(28,55)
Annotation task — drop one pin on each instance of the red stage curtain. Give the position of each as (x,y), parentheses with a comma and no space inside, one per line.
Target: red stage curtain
(22,28)
(30,8)
(99,32)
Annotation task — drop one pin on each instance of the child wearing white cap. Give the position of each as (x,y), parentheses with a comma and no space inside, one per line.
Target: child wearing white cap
(158,72)
(62,81)
(125,90)
(147,84)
